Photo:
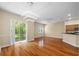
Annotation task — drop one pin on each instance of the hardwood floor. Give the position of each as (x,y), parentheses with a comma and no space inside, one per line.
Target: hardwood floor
(52,47)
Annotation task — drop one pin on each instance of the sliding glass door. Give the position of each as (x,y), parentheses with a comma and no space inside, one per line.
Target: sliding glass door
(20,31)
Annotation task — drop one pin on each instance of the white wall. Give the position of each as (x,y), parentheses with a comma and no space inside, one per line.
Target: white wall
(55,29)
(30,30)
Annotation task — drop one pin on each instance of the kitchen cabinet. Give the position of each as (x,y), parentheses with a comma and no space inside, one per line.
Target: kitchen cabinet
(71,39)
(73,27)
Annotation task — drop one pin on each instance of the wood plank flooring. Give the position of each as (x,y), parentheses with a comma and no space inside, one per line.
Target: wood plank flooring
(52,47)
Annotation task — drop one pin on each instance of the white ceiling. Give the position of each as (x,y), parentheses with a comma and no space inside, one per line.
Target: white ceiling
(44,11)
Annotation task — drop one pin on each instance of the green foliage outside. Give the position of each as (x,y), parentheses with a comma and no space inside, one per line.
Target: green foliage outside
(20,31)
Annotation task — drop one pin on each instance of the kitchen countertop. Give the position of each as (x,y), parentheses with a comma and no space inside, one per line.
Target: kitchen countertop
(73,33)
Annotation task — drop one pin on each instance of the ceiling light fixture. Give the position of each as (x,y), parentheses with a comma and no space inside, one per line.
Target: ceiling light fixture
(30,3)
(69,16)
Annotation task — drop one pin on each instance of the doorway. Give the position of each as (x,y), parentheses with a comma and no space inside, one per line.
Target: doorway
(20,31)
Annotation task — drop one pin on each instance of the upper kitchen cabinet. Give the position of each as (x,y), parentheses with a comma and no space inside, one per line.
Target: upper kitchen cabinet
(72,26)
